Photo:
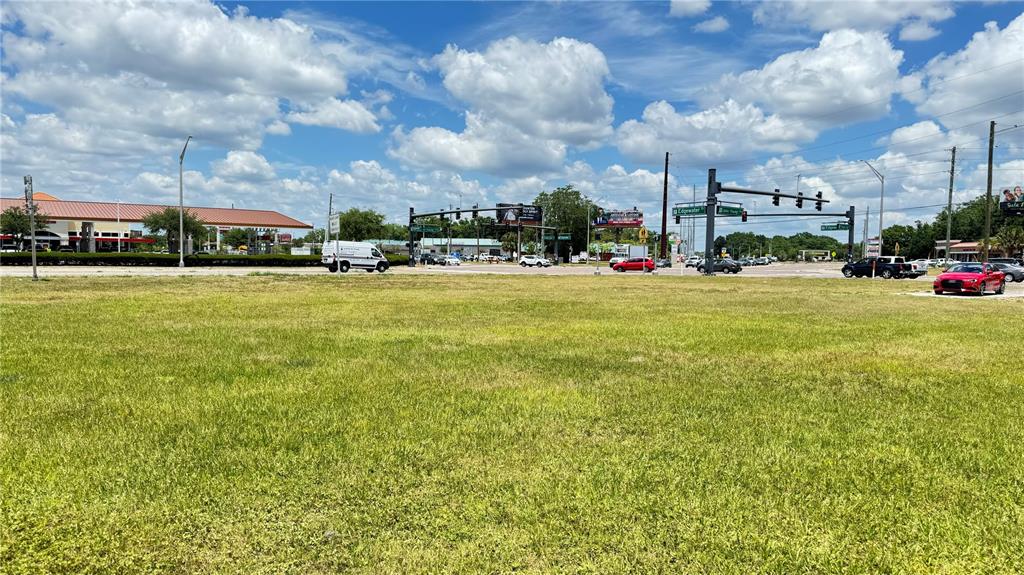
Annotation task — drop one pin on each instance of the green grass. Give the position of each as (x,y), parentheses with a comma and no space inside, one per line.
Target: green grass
(388,423)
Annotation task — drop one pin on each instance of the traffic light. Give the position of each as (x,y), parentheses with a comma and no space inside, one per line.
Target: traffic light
(817,205)
(677,220)
(458,215)
(800,200)
(743,216)
(775,198)
(475,213)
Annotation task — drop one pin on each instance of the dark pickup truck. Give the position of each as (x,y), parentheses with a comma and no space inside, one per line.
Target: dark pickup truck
(883,267)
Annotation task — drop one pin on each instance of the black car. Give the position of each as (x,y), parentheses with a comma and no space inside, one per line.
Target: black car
(430,259)
(724,265)
(1013,273)
(881,267)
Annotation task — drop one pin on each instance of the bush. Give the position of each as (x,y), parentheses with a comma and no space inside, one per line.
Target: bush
(397,259)
(151,259)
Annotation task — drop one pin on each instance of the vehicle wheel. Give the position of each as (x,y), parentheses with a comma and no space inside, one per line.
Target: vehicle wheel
(381,267)
(621,270)
(847,272)
(343,267)
(887,274)
(937,292)
(332,267)
(1002,288)
(522,264)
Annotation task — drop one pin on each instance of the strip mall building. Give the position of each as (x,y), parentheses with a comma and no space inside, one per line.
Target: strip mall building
(101,226)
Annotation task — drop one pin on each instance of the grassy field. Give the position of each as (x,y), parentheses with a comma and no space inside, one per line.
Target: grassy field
(382,424)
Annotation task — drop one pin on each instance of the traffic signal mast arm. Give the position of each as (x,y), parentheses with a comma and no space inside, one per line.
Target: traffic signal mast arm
(773,194)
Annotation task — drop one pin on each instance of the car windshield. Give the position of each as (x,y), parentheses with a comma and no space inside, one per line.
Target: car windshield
(966,268)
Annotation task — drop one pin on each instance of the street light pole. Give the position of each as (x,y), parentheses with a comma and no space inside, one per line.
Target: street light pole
(881,208)
(181,207)
(119,236)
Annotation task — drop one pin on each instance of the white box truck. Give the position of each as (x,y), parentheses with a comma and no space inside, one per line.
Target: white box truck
(343,256)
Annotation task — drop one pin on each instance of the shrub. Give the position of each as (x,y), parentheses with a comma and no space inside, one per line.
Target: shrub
(151,259)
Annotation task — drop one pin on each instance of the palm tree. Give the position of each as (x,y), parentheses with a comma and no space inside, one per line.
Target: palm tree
(1010,240)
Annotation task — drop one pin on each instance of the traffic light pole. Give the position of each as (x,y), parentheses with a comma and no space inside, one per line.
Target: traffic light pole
(715,188)
(709,228)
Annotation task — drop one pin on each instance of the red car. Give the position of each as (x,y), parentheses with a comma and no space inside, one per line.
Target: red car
(970,277)
(635,264)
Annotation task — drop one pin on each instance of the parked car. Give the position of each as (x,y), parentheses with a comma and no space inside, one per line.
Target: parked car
(635,264)
(342,256)
(972,277)
(693,261)
(615,260)
(723,265)
(663,263)
(533,261)
(1013,273)
(761,261)
(883,267)
(450,261)
(1011,261)
(66,249)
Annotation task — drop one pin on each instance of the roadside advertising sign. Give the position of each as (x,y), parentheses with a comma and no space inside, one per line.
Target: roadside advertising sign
(512,214)
(620,219)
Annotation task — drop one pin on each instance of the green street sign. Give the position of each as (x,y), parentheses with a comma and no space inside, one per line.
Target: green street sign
(425,229)
(729,211)
(564,237)
(688,211)
(835,227)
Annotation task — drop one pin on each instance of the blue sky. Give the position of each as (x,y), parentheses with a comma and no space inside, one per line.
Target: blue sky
(389,105)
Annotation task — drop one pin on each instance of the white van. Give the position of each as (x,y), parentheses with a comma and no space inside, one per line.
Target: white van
(342,256)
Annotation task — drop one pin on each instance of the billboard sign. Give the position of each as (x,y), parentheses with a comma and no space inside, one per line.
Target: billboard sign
(620,219)
(1012,208)
(513,214)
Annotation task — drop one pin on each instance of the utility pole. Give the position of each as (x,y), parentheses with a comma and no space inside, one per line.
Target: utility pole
(881,205)
(988,187)
(330,209)
(664,211)
(30,204)
(949,201)
(864,245)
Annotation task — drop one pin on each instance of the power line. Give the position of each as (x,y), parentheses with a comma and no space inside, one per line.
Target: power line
(884,131)
(791,173)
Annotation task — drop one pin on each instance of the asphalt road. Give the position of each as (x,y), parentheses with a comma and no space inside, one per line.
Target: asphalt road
(917,286)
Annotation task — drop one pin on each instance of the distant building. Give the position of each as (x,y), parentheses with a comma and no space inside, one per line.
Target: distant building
(101,226)
(462,246)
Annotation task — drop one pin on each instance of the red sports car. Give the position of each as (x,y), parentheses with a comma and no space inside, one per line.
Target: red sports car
(970,277)
(635,264)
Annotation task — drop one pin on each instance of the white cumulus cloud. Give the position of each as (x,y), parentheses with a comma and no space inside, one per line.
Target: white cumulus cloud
(712,26)
(687,8)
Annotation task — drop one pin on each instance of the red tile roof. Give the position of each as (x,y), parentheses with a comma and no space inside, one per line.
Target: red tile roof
(108,212)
